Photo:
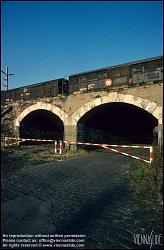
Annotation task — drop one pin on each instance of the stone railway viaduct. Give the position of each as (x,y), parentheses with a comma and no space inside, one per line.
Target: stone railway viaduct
(72,107)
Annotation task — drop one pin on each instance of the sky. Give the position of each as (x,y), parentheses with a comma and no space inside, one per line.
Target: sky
(45,40)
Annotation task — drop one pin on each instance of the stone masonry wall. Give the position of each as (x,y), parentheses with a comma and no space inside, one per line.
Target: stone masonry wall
(70,104)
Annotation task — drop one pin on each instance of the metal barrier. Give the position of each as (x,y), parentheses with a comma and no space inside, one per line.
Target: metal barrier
(105,146)
(130,155)
(108,146)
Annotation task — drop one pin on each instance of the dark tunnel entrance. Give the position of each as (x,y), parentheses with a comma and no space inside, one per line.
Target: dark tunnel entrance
(118,123)
(42,124)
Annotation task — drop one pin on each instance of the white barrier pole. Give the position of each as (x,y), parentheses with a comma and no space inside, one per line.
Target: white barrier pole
(55,147)
(60,149)
(151,154)
(129,155)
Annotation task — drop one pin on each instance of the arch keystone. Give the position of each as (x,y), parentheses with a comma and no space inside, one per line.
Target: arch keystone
(97,101)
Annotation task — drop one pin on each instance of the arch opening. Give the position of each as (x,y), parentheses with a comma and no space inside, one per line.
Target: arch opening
(41,124)
(118,123)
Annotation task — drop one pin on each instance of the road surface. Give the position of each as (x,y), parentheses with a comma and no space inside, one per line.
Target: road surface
(82,195)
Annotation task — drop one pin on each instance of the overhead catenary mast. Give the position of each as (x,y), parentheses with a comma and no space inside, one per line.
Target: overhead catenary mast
(6,84)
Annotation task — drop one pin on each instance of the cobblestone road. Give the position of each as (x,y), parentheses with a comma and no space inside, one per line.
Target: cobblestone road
(81,195)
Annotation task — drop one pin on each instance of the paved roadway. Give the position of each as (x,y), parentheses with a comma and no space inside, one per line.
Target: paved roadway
(86,195)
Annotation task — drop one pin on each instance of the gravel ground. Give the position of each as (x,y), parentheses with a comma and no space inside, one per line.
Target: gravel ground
(81,195)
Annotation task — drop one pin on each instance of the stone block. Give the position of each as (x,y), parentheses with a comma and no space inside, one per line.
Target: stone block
(151,107)
(158,112)
(97,102)
(129,99)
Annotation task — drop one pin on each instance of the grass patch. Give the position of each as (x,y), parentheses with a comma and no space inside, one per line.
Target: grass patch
(146,180)
(146,190)
(14,158)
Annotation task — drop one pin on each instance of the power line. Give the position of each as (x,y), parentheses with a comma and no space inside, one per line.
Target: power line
(98,46)
(93,39)
(121,28)
(103,37)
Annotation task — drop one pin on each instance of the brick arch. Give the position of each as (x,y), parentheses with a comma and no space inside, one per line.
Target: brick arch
(39,105)
(142,103)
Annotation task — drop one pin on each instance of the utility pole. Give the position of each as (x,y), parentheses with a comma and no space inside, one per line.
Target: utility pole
(6,85)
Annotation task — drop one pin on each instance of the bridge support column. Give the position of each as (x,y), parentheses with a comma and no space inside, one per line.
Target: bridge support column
(70,134)
(160,137)
(17,134)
